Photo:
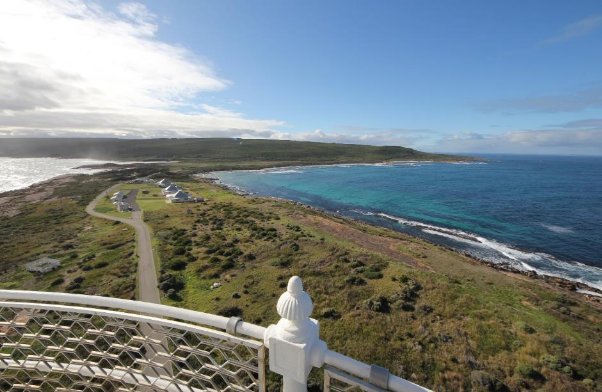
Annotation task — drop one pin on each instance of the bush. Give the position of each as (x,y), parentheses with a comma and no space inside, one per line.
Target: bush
(524,327)
(528,371)
(373,274)
(356,264)
(355,281)
(553,362)
(173,295)
(169,281)
(283,263)
(378,304)
(176,265)
(331,313)
(179,251)
(101,264)
(57,281)
(230,311)
(228,264)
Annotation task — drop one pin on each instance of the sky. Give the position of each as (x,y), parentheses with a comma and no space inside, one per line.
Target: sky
(463,76)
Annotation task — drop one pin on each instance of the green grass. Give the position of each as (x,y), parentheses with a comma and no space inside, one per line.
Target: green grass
(465,316)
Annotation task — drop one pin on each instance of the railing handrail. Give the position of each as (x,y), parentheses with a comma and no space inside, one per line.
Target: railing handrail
(162,311)
(329,357)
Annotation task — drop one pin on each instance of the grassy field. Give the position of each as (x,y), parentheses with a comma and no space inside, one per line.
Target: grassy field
(429,314)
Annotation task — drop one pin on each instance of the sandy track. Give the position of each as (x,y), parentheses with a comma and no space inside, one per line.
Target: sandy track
(148,290)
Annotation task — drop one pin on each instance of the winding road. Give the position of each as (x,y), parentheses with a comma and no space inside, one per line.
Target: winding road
(148,290)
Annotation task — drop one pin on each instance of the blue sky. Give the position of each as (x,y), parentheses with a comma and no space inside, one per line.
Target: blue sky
(471,76)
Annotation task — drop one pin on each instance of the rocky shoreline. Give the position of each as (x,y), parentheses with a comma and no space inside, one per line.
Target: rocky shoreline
(590,293)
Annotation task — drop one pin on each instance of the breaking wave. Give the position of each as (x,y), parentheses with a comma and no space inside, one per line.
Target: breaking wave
(499,253)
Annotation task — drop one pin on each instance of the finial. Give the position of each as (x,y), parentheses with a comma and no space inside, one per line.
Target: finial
(295,304)
(295,286)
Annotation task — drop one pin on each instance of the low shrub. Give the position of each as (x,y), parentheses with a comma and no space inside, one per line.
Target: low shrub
(355,281)
(230,311)
(378,304)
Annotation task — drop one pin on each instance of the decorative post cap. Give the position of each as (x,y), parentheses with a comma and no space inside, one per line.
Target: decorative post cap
(294,342)
(295,304)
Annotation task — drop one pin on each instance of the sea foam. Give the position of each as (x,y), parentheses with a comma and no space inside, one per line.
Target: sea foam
(497,252)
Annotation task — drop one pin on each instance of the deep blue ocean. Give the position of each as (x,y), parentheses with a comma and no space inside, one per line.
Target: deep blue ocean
(536,213)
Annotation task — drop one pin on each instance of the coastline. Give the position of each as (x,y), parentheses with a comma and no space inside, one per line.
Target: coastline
(39,190)
(589,292)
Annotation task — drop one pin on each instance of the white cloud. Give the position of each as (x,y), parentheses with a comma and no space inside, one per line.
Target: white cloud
(139,14)
(371,136)
(574,30)
(72,66)
(578,140)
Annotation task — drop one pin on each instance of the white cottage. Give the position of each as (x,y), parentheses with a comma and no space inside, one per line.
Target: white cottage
(164,183)
(117,197)
(171,189)
(178,197)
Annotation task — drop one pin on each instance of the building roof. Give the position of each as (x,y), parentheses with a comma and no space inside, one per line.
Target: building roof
(179,195)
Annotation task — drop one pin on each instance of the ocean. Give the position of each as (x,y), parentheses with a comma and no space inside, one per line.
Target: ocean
(18,173)
(534,213)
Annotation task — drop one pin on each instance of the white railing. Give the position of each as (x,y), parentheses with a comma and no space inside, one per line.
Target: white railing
(48,342)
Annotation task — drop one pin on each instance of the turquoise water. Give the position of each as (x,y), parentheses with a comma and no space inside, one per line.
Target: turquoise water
(531,212)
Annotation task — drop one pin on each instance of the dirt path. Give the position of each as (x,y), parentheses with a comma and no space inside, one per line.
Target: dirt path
(147,275)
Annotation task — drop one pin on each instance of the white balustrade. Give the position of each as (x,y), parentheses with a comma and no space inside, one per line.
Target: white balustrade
(121,344)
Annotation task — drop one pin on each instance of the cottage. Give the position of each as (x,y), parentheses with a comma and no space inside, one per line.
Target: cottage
(43,265)
(164,183)
(178,197)
(123,207)
(171,189)
(117,197)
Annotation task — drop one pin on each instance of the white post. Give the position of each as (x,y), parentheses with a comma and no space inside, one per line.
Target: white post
(294,343)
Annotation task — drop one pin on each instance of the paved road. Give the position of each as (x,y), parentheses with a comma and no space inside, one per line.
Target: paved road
(130,199)
(147,274)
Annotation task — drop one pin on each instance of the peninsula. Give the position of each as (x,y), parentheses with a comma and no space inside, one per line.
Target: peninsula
(431,315)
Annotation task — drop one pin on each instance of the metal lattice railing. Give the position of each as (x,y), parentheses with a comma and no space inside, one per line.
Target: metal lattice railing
(71,342)
(65,348)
